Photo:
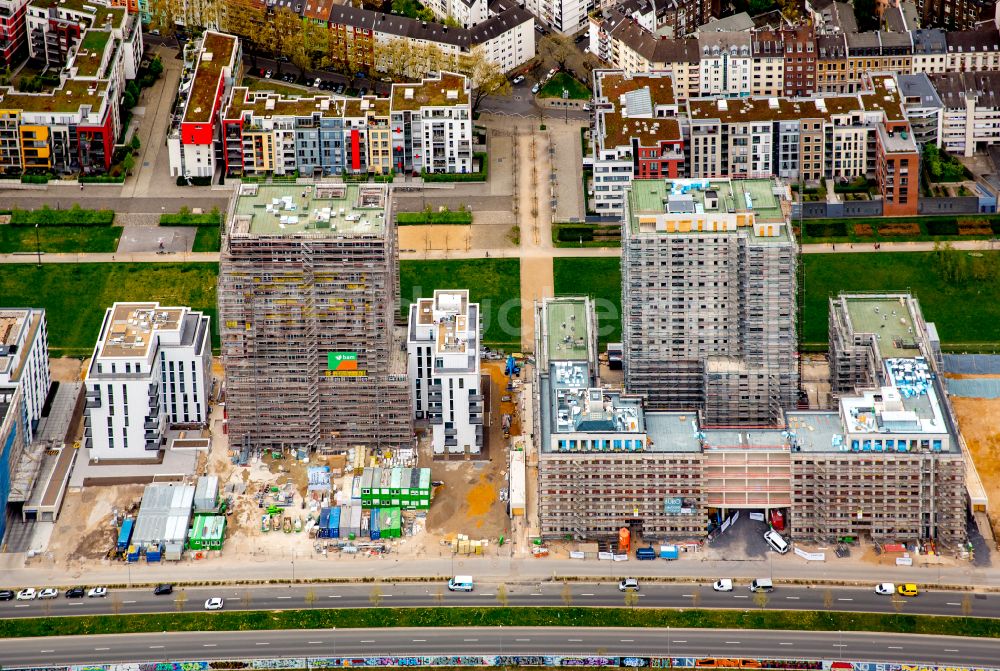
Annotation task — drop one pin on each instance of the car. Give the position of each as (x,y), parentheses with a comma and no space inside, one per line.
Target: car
(387,79)
(48,593)
(536,88)
(552,73)
(586,107)
(160,590)
(27,594)
(215,603)
(339,88)
(580,38)
(155,31)
(318,82)
(628,585)
(282,59)
(724,585)
(908,589)
(268,73)
(539,29)
(885,588)
(517,80)
(6,594)
(97,592)
(75,592)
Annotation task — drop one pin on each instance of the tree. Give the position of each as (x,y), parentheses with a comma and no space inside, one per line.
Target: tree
(761,598)
(867,17)
(136,143)
(128,163)
(567,595)
(631,599)
(156,67)
(310,598)
(375,598)
(182,599)
(128,100)
(502,595)
(485,77)
(828,599)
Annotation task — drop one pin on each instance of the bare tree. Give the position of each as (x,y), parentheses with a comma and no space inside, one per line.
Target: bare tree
(180,600)
(967,605)
(631,599)
(247,598)
(695,599)
(761,598)
(567,595)
(439,595)
(828,598)
(310,598)
(486,77)
(502,595)
(375,598)
(116,604)
(897,602)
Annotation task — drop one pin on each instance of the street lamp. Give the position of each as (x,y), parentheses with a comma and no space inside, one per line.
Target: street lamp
(38,247)
(293,571)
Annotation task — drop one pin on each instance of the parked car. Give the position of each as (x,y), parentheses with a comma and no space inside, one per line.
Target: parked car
(517,80)
(97,592)
(27,594)
(268,74)
(75,592)
(318,82)
(48,593)
(580,38)
(885,588)
(215,603)
(908,589)
(339,88)
(724,585)
(6,594)
(536,88)
(160,590)
(363,92)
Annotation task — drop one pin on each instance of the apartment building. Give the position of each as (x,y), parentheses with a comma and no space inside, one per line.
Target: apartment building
(54,27)
(442,347)
(897,169)
(420,126)
(971,110)
(922,107)
(726,64)
(13,33)
(708,293)
(507,38)
(151,367)
(793,52)
(308,295)
(465,12)
(930,51)
(974,50)
(954,14)
(24,385)
(563,16)
(195,136)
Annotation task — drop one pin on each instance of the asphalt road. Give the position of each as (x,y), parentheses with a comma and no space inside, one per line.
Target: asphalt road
(504,641)
(535,594)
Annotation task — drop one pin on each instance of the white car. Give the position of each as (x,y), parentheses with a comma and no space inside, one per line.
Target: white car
(724,585)
(27,594)
(97,592)
(885,588)
(48,593)
(536,88)
(628,585)
(215,603)
(517,80)
(317,82)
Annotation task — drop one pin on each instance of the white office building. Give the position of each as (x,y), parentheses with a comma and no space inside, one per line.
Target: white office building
(442,347)
(151,368)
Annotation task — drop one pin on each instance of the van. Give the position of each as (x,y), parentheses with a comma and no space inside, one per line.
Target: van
(460,583)
(645,554)
(761,585)
(777,543)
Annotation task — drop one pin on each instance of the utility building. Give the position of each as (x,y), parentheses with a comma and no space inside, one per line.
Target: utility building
(443,367)
(708,298)
(308,293)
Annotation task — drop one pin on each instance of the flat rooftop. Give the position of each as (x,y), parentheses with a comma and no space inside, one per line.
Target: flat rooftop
(567,329)
(672,432)
(327,210)
(816,431)
(216,54)
(12,326)
(452,334)
(132,325)
(889,319)
(90,54)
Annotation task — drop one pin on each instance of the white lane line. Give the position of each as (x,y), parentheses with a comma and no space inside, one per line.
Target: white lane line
(840,645)
(845,599)
(102,648)
(386,595)
(22,605)
(156,647)
(420,640)
(740,596)
(793,598)
(283,597)
(208,645)
(687,596)
(128,601)
(732,642)
(333,596)
(950,650)
(487,594)
(45,651)
(78,603)
(678,641)
(366,641)
(314,642)
(627,640)
(895,647)
(471,640)
(786,644)
(575,640)
(587,594)
(953,603)
(536,594)
(522,640)
(262,643)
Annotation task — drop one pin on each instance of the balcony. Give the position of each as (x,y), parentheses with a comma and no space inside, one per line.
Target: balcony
(93,403)
(476,419)
(151,423)
(153,445)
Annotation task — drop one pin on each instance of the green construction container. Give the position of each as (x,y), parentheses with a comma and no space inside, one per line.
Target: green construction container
(390,521)
(208,532)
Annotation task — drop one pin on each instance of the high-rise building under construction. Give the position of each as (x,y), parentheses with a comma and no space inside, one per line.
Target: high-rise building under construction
(308,293)
(708,298)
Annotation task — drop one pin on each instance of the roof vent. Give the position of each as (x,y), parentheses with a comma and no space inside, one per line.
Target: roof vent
(723,106)
(452,94)
(207,56)
(408,94)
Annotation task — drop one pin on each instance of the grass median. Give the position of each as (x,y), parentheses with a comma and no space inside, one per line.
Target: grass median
(59,239)
(492,617)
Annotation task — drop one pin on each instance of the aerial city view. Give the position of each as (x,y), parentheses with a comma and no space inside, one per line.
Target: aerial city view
(482,333)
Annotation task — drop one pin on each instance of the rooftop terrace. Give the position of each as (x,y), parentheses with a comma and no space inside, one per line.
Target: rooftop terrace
(567,329)
(132,325)
(66,99)
(322,210)
(889,319)
(90,53)
(100,13)
(217,53)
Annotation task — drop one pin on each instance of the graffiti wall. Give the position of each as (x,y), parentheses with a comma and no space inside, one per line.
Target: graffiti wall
(501,661)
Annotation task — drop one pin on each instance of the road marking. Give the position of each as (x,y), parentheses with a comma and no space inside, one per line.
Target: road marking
(575,640)
(471,640)
(840,645)
(845,599)
(522,640)
(102,648)
(587,594)
(128,601)
(740,596)
(536,594)
(786,644)
(677,641)
(488,594)
(732,642)
(314,642)
(386,595)
(950,650)
(78,603)
(333,596)
(953,603)
(366,641)
(794,598)
(895,647)
(24,605)
(420,640)
(258,643)
(45,651)
(155,647)
(283,597)
(687,595)
(208,645)
(627,640)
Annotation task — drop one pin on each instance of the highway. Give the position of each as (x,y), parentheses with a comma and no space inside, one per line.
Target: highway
(503,641)
(651,595)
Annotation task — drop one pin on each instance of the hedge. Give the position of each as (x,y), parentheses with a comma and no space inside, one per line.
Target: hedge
(942,227)
(34,179)
(101,179)
(461,176)
(187,219)
(575,233)
(833,229)
(443,217)
(75,216)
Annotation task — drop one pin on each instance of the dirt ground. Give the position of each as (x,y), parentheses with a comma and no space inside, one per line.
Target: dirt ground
(977,419)
(85,532)
(426,238)
(66,369)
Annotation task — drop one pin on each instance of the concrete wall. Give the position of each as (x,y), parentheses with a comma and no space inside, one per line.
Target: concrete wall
(955,205)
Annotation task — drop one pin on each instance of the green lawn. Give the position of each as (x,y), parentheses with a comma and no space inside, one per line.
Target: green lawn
(58,239)
(599,278)
(494,283)
(751,618)
(207,239)
(561,80)
(966,311)
(76,295)
(275,85)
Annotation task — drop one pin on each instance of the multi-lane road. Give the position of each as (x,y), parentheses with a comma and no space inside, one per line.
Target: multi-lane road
(651,595)
(503,641)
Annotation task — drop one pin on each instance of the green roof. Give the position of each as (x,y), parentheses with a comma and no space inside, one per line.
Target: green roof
(326,210)
(100,13)
(881,316)
(566,327)
(208,527)
(90,54)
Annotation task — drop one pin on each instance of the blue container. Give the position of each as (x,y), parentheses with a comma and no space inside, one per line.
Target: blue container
(324,521)
(125,535)
(153,554)
(333,524)
(373,529)
(645,554)
(669,552)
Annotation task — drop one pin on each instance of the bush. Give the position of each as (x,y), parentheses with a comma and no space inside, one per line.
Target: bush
(942,227)
(75,216)
(101,179)
(835,229)
(444,217)
(461,176)
(34,179)
(575,233)
(188,219)
(942,167)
